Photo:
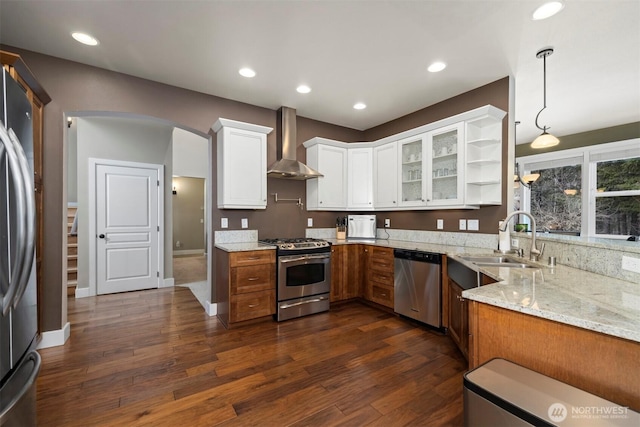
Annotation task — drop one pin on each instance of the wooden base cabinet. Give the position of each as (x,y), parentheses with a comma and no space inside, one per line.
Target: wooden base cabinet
(245,285)
(379,275)
(345,272)
(458,317)
(600,364)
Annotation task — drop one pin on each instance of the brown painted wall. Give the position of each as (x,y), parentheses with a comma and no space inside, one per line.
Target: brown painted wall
(75,87)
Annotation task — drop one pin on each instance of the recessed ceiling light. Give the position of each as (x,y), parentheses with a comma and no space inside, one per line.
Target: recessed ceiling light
(85,38)
(303,89)
(360,106)
(437,66)
(547,10)
(247,72)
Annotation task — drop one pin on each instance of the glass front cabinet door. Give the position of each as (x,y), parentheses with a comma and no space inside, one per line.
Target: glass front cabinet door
(445,168)
(412,190)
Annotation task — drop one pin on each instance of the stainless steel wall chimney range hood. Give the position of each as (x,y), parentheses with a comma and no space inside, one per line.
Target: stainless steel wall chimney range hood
(287,166)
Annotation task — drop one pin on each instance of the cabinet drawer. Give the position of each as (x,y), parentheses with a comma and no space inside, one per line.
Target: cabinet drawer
(381,277)
(252,305)
(260,277)
(239,259)
(382,295)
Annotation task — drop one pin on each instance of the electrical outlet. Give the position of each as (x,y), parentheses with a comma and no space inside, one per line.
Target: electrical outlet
(440,224)
(631,264)
(309,222)
(245,223)
(515,243)
(462,224)
(224,222)
(473,224)
(178,243)
(387,223)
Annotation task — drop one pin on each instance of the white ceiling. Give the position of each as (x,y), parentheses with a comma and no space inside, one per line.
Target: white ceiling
(375,52)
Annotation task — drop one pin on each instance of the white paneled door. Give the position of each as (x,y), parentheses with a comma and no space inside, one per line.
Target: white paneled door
(127,227)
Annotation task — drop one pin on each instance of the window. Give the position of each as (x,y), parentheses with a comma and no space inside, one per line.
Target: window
(593,191)
(617,197)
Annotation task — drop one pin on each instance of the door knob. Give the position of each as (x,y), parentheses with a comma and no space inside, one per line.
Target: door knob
(101,236)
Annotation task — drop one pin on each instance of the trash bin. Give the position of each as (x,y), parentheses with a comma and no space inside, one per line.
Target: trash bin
(501,393)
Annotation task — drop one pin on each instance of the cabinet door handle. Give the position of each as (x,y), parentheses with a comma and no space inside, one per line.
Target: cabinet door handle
(252,279)
(253,258)
(253,305)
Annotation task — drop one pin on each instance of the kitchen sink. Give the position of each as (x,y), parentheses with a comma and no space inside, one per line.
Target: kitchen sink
(498,261)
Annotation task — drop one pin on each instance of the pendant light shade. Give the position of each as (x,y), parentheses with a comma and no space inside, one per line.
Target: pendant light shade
(545,140)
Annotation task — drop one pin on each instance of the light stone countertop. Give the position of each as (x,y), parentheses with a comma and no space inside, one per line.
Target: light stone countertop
(244,246)
(562,294)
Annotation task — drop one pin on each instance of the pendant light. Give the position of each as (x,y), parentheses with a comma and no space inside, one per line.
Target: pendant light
(545,139)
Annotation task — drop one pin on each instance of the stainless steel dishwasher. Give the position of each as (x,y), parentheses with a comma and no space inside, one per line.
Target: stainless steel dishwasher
(417,289)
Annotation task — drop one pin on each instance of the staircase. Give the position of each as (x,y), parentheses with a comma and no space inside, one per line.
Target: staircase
(72,252)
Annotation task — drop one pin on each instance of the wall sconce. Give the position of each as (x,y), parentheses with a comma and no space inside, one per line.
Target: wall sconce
(174,190)
(570,191)
(526,180)
(69,122)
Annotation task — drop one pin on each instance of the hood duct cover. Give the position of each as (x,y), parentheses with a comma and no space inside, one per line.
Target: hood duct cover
(287,166)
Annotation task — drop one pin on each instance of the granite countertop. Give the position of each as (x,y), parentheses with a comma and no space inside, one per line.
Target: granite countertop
(244,246)
(562,294)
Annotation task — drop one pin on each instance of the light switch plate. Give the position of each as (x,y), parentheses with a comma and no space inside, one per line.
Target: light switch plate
(224,222)
(309,222)
(440,224)
(462,224)
(473,224)
(515,243)
(387,223)
(245,223)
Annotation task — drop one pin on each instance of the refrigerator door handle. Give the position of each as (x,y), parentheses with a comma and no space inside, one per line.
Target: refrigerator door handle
(24,399)
(18,187)
(29,219)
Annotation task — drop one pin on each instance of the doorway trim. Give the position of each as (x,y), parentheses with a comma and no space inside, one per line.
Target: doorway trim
(93,260)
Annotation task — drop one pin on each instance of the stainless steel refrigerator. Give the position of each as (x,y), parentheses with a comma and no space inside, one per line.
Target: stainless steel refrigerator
(19,362)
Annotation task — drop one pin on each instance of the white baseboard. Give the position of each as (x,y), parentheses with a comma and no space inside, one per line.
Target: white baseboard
(55,338)
(82,292)
(211,308)
(167,283)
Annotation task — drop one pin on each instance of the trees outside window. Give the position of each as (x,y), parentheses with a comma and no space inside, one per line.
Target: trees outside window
(556,199)
(617,197)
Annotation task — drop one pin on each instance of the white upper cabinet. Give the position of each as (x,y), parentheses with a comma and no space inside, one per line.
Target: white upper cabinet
(412,187)
(328,192)
(484,160)
(454,163)
(241,164)
(385,176)
(446,171)
(360,178)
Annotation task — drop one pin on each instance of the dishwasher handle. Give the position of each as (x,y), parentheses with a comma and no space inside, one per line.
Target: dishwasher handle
(418,256)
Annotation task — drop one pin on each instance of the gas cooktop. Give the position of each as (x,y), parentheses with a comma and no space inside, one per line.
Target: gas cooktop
(296,243)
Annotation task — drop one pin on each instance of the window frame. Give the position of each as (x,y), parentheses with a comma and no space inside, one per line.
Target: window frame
(588,157)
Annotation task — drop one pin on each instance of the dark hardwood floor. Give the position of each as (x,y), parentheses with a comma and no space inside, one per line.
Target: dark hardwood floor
(155,358)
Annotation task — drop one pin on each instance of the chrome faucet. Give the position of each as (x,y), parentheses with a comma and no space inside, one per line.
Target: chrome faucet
(534,253)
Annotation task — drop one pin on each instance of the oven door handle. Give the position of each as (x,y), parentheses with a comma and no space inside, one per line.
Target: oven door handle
(287,260)
(309,301)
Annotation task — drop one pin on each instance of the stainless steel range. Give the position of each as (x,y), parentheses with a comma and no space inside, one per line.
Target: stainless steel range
(303,276)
